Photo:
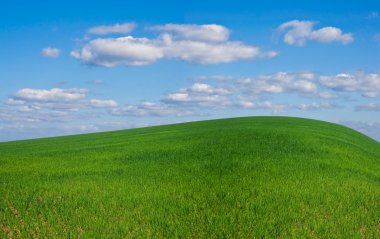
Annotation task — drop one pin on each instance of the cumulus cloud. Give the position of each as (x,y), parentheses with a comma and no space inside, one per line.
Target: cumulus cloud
(31,114)
(201,44)
(251,92)
(331,34)
(12,101)
(110,52)
(205,88)
(366,84)
(280,82)
(209,53)
(103,103)
(150,109)
(51,52)
(368,107)
(50,105)
(117,28)
(298,32)
(200,94)
(276,108)
(327,95)
(263,92)
(55,94)
(208,33)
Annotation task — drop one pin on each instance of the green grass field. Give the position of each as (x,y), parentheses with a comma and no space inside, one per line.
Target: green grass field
(253,177)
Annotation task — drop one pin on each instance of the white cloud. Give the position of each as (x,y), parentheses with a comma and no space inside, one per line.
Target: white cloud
(36,106)
(54,94)
(209,53)
(298,32)
(368,107)
(207,33)
(150,109)
(283,107)
(53,105)
(327,95)
(280,82)
(331,34)
(51,52)
(200,94)
(210,47)
(31,114)
(103,103)
(12,101)
(249,92)
(117,28)
(110,52)
(205,88)
(302,83)
(27,108)
(366,84)
(276,108)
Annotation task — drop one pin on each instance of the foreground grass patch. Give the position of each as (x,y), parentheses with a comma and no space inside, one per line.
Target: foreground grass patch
(245,177)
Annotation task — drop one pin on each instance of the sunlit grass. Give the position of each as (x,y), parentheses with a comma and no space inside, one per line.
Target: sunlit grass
(254,177)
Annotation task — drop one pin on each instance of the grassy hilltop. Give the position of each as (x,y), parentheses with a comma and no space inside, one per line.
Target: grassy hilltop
(251,177)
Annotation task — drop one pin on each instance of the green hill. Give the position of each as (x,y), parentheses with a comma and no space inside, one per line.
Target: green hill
(252,177)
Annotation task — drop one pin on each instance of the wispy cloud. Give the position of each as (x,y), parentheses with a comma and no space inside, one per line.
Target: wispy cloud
(376,37)
(150,109)
(368,107)
(277,108)
(213,78)
(96,82)
(51,52)
(318,106)
(373,15)
(123,28)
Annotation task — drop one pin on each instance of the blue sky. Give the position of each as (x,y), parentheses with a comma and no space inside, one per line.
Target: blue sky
(71,67)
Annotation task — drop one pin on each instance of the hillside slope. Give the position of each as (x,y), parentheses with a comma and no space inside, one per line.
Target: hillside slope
(242,177)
